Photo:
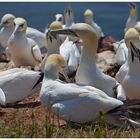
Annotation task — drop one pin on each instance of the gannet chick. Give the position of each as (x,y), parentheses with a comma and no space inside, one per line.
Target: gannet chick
(88,72)
(59,17)
(89,19)
(23,51)
(132,78)
(74,102)
(132,19)
(7,28)
(16,84)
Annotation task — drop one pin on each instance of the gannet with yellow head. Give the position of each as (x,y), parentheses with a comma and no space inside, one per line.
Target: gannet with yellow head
(89,19)
(16,84)
(75,102)
(23,51)
(131,79)
(132,19)
(88,72)
(7,28)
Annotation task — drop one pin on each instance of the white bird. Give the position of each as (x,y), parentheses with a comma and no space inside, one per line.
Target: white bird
(23,51)
(88,72)
(7,28)
(89,19)
(73,102)
(121,52)
(132,19)
(16,84)
(68,49)
(131,80)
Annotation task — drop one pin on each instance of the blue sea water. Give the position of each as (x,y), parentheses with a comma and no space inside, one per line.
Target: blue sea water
(111,16)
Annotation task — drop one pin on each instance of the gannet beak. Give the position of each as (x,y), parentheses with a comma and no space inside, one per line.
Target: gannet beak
(132,5)
(16,28)
(64,32)
(1,25)
(134,51)
(63,72)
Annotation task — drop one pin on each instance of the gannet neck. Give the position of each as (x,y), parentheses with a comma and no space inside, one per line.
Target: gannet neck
(89,20)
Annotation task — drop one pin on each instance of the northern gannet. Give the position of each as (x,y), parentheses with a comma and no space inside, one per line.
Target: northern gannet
(70,101)
(88,72)
(132,19)
(131,79)
(89,19)
(23,51)
(16,84)
(7,28)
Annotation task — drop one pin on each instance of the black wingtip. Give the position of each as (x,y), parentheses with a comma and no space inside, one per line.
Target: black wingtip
(39,80)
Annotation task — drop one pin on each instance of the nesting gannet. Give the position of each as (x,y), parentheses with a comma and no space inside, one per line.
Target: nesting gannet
(88,72)
(132,19)
(23,51)
(89,19)
(67,49)
(16,84)
(131,80)
(7,28)
(59,17)
(121,52)
(73,102)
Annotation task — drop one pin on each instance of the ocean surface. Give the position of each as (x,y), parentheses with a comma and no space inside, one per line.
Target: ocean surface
(111,16)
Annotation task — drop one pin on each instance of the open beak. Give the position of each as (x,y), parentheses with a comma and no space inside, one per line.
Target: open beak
(64,32)
(134,51)
(16,28)
(132,5)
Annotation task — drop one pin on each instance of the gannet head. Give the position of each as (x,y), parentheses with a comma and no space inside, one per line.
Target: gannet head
(20,25)
(132,41)
(88,14)
(80,30)
(7,20)
(59,17)
(132,9)
(55,25)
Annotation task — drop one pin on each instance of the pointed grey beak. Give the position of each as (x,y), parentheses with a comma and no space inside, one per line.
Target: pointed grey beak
(16,28)
(64,32)
(132,5)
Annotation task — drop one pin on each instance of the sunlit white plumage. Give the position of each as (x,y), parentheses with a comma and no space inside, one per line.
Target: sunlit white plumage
(121,52)
(7,28)
(88,72)
(23,51)
(89,19)
(16,84)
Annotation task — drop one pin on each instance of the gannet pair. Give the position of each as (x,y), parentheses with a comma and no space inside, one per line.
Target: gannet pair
(132,19)
(129,74)
(16,84)
(89,19)
(67,49)
(7,28)
(22,50)
(88,72)
(74,102)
